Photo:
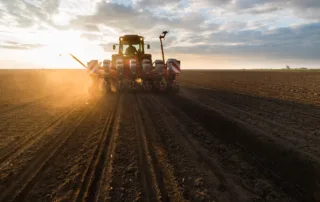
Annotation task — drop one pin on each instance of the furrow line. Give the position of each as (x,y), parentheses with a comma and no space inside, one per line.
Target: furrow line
(27,179)
(168,184)
(271,154)
(18,147)
(36,100)
(255,97)
(203,156)
(90,186)
(152,187)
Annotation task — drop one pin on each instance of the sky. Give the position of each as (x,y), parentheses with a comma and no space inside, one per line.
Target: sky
(203,34)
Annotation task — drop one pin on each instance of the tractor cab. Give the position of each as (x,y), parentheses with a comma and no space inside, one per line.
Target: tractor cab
(131,46)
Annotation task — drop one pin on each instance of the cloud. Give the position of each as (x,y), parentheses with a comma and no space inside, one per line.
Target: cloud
(91,36)
(193,32)
(309,9)
(30,12)
(127,18)
(115,15)
(107,47)
(85,26)
(262,9)
(209,3)
(1,12)
(233,26)
(157,3)
(19,46)
(250,28)
(301,42)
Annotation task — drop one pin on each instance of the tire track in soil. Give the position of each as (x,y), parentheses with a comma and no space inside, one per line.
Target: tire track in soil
(19,189)
(17,125)
(16,148)
(33,101)
(239,179)
(62,179)
(231,160)
(124,183)
(272,124)
(153,188)
(287,110)
(296,133)
(143,172)
(245,87)
(307,109)
(167,183)
(199,176)
(271,156)
(300,138)
(102,158)
(293,117)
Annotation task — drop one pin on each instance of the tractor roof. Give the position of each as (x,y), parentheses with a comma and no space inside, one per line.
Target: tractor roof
(130,38)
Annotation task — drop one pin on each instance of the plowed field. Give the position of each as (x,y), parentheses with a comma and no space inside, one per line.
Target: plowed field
(226,136)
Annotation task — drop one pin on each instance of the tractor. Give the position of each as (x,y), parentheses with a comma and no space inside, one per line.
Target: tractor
(132,69)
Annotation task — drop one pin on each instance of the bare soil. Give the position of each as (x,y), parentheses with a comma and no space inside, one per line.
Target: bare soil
(226,136)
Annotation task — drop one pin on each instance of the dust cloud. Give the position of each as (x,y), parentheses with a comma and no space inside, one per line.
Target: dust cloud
(50,88)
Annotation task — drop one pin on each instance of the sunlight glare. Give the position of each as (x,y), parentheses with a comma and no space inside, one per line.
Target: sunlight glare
(61,19)
(58,46)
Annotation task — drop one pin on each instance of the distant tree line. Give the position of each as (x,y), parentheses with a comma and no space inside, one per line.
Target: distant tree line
(301,68)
